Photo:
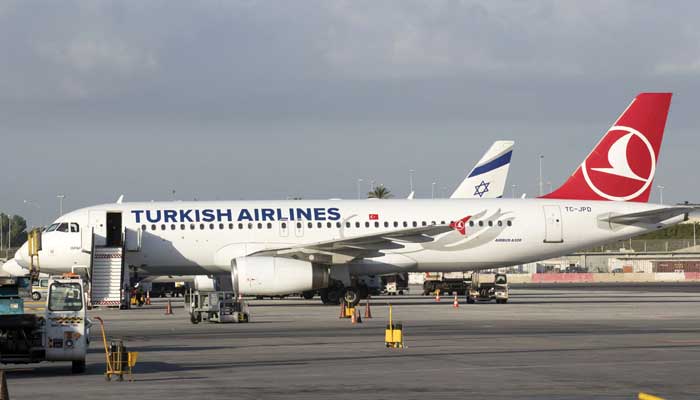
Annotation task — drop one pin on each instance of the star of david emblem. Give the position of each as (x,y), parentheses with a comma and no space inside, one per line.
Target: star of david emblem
(481,188)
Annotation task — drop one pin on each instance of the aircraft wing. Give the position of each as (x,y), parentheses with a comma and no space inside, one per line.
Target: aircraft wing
(362,246)
(651,216)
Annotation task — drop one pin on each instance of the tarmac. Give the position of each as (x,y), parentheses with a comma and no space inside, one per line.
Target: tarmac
(578,343)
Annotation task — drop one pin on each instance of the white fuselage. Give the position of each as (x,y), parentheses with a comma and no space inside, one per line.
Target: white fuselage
(500,232)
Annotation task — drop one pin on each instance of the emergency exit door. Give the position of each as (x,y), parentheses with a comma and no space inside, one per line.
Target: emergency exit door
(553,231)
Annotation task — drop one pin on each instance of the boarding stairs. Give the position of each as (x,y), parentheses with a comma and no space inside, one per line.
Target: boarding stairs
(107,274)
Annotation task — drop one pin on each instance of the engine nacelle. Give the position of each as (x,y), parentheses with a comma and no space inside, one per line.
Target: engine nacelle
(269,276)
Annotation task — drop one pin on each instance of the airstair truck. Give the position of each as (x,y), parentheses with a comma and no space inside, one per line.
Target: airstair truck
(60,333)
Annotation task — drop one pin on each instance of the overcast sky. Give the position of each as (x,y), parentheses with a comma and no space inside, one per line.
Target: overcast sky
(265,99)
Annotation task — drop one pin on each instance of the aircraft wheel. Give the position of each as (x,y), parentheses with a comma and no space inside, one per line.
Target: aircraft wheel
(351,297)
(308,295)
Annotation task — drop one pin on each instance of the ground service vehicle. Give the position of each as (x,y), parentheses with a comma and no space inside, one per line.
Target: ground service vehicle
(487,287)
(61,333)
(446,282)
(218,306)
(40,287)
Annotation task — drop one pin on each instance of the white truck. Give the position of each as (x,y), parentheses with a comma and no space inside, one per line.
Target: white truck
(487,287)
(61,333)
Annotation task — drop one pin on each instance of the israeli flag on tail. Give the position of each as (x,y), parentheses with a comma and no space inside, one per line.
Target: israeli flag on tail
(488,178)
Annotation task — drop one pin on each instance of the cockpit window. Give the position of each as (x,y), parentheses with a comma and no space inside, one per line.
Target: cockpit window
(52,228)
(74,227)
(63,227)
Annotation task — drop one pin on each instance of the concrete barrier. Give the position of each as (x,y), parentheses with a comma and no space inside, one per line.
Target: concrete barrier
(669,276)
(623,277)
(692,276)
(562,278)
(519,278)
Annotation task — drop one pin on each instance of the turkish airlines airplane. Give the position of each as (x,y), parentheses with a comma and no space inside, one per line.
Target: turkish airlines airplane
(280,247)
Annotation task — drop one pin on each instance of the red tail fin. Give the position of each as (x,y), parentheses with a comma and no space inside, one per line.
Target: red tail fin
(621,166)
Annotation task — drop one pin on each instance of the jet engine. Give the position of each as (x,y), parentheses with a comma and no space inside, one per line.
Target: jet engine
(269,276)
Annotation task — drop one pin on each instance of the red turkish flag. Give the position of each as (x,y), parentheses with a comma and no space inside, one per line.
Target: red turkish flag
(374,216)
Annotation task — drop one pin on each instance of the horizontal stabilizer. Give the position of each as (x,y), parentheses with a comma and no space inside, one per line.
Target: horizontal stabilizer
(651,216)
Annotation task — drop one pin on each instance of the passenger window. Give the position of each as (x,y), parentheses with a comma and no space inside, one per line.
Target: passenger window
(329,224)
(442,222)
(424,223)
(320,225)
(376,224)
(481,223)
(471,223)
(298,225)
(509,223)
(347,224)
(192,226)
(153,227)
(284,225)
(221,226)
(432,223)
(367,224)
(162,227)
(74,227)
(250,225)
(230,226)
(386,224)
(269,225)
(500,223)
(182,227)
(201,226)
(211,226)
(490,223)
(338,224)
(240,226)
(396,224)
(172,227)
(311,225)
(143,227)
(63,227)
(357,224)
(405,224)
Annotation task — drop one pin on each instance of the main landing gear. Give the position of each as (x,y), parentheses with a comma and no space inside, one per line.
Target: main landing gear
(336,293)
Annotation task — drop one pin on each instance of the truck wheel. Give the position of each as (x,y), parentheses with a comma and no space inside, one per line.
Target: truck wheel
(504,301)
(308,295)
(470,300)
(78,366)
(36,296)
(194,319)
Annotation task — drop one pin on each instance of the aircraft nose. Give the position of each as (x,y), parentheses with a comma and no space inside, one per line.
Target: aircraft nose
(20,256)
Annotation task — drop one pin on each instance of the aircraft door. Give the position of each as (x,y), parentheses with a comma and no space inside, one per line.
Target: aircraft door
(553,231)
(284,228)
(299,229)
(96,223)
(114,229)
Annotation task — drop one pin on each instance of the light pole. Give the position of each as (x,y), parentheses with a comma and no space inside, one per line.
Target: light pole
(661,194)
(410,178)
(550,186)
(359,188)
(512,190)
(432,190)
(541,157)
(60,203)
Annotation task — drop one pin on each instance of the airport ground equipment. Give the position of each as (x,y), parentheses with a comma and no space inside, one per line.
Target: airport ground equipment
(40,287)
(446,282)
(393,335)
(487,287)
(61,333)
(118,360)
(395,284)
(220,306)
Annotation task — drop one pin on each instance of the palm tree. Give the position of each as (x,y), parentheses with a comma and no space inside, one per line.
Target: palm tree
(380,192)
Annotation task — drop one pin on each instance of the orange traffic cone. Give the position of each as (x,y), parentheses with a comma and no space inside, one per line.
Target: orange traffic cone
(342,310)
(455,303)
(437,295)
(368,311)
(169,308)
(148,298)
(358,319)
